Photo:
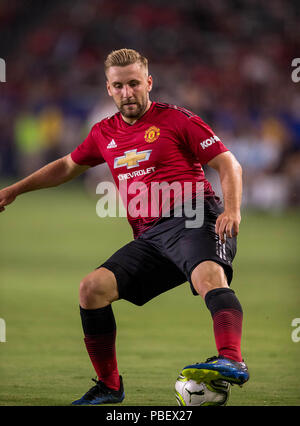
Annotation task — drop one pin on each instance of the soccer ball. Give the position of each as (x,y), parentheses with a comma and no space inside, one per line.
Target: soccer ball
(190,393)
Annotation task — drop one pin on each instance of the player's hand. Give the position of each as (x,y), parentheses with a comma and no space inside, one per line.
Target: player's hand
(227,225)
(7,196)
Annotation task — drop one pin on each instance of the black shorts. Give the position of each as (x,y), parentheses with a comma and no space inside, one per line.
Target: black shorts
(165,255)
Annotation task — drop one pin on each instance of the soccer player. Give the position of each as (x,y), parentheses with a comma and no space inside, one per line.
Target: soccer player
(148,142)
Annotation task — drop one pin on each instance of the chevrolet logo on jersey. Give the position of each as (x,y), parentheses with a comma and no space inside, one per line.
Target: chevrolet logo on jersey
(132,158)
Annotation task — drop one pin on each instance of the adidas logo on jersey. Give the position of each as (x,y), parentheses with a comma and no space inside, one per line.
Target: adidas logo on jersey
(112,144)
(209,141)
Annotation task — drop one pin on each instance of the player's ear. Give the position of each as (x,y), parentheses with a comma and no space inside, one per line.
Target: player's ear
(108,88)
(150,83)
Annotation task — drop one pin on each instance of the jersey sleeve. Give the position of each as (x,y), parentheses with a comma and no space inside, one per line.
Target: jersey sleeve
(201,140)
(88,152)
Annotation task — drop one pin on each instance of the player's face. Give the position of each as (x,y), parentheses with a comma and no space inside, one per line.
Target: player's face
(129,87)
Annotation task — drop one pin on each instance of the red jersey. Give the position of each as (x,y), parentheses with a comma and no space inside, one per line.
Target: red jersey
(167,144)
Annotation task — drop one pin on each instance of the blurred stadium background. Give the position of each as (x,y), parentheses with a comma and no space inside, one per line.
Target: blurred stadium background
(228,61)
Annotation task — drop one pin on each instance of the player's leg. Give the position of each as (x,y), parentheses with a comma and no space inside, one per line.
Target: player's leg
(97,291)
(209,280)
(207,265)
(136,273)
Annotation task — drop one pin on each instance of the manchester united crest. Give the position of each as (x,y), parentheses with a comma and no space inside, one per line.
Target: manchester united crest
(152,134)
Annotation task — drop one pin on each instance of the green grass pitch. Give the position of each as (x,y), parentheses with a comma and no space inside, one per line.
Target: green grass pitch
(51,239)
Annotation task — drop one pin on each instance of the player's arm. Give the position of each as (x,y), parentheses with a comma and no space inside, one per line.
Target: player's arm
(230,172)
(53,174)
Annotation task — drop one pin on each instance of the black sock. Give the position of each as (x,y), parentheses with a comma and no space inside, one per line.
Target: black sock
(97,321)
(222,298)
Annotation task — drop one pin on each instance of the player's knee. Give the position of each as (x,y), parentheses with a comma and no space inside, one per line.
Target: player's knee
(204,286)
(97,286)
(86,288)
(208,276)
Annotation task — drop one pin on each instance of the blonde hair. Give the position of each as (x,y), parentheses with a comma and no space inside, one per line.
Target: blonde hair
(123,57)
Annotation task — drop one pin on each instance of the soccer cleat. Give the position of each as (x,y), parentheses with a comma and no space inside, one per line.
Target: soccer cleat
(217,368)
(101,394)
